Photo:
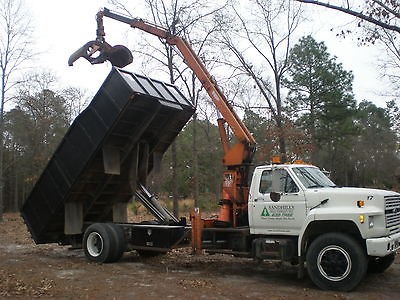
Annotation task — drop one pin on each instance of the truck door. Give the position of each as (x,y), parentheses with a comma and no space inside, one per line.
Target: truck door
(284,216)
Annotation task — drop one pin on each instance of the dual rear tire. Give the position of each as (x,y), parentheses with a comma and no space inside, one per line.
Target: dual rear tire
(104,242)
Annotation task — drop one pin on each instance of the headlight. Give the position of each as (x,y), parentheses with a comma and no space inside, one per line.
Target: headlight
(371,221)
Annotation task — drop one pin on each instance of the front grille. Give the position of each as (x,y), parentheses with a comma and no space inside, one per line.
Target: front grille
(392,213)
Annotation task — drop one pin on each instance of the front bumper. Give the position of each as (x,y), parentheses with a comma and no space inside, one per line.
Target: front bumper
(384,245)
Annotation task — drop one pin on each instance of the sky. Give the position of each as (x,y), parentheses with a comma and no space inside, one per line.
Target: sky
(61,27)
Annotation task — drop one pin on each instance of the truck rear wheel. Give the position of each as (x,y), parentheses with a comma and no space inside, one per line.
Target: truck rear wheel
(336,261)
(118,245)
(381,264)
(98,243)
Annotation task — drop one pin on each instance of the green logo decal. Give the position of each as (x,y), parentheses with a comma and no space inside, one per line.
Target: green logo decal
(278,212)
(265,212)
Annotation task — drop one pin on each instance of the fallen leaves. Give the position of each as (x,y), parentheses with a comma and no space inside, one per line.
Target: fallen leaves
(195,283)
(11,285)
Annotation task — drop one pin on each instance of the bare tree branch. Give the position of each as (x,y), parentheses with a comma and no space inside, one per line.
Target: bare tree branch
(15,41)
(359,15)
(392,11)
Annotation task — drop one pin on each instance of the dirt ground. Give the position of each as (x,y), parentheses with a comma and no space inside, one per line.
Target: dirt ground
(51,271)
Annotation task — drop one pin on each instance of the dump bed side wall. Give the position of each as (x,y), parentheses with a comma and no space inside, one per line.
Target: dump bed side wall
(127,112)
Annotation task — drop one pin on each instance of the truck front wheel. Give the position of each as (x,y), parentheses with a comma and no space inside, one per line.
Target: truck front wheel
(336,261)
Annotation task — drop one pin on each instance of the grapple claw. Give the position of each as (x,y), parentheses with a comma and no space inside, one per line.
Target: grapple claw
(98,52)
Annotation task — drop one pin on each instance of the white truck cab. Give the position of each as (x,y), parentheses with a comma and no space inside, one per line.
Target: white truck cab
(340,232)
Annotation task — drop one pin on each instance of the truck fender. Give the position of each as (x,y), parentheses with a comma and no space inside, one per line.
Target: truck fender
(310,218)
(325,225)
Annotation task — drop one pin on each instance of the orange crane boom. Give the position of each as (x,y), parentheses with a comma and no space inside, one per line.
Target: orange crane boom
(237,157)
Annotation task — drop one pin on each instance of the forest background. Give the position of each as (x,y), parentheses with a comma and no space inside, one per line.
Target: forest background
(291,91)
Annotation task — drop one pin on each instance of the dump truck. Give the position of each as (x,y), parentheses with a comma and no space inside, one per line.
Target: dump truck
(288,212)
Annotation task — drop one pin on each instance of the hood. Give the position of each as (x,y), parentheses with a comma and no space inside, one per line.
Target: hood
(360,193)
(348,196)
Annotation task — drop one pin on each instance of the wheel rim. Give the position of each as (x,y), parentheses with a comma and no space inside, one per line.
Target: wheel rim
(94,244)
(334,263)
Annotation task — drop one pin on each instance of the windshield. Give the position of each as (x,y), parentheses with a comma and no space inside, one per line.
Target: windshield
(312,177)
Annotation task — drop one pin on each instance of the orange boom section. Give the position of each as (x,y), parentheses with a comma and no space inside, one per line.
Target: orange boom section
(237,155)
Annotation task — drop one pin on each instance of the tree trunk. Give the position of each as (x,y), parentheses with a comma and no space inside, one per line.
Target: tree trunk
(282,147)
(195,163)
(281,138)
(3,84)
(282,142)
(174,181)
(16,201)
(314,153)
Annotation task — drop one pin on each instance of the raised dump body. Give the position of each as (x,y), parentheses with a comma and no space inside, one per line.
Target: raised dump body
(108,150)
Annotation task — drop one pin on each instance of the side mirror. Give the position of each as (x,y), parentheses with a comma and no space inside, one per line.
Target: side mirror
(275,196)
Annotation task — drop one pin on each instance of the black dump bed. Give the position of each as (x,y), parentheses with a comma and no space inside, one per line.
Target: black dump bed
(115,141)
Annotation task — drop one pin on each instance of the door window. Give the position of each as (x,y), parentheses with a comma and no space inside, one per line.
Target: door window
(286,182)
(266,182)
